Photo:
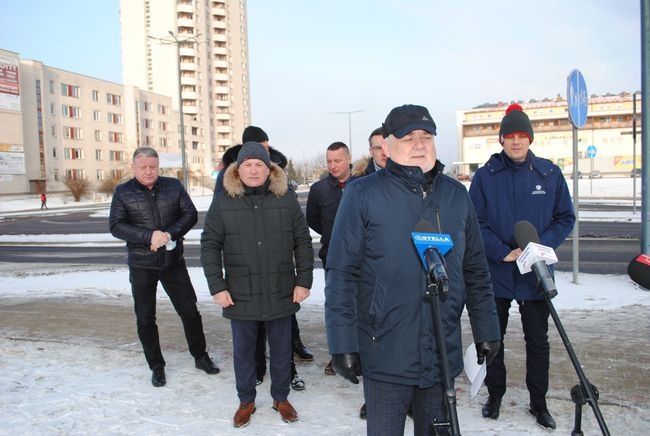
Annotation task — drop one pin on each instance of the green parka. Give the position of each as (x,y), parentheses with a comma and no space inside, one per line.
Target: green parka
(259,237)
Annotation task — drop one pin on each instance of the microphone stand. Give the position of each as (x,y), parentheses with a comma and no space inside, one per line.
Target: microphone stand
(583,392)
(432,295)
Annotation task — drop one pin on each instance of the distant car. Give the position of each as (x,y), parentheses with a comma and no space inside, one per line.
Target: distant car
(569,174)
(595,175)
(635,172)
(463,177)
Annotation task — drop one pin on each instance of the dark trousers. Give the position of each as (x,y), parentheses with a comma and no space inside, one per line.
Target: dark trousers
(534,322)
(176,283)
(387,404)
(260,348)
(244,340)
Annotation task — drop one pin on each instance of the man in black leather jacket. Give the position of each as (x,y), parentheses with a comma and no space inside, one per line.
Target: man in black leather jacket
(152,214)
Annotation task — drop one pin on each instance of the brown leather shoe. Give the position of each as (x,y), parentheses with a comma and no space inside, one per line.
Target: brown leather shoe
(286,410)
(243,415)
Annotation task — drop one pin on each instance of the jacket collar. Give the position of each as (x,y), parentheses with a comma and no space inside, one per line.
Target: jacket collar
(499,162)
(278,183)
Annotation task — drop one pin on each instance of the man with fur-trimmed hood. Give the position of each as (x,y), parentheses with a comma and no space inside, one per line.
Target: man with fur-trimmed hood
(253,231)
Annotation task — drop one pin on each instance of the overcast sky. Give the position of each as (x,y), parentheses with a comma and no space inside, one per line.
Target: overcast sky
(310,59)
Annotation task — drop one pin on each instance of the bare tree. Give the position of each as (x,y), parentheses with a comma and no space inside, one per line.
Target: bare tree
(78,187)
(107,186)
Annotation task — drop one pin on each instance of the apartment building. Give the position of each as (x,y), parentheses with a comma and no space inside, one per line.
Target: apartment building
(609,130)
(204,42)
(56,124)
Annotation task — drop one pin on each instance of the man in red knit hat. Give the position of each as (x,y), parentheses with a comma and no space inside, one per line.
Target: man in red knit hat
(516,185)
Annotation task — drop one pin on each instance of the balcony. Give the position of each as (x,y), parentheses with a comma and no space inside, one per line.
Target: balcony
(218,24)
(189,95)
(220,64)
(221,12)
(223,129)
(222,90)
(187,51)
(185,7)
(220,51)
(221,103)
(185,22)
(221,37)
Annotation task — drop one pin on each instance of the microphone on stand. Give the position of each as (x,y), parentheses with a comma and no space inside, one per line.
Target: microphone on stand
(432,247)
(535,257)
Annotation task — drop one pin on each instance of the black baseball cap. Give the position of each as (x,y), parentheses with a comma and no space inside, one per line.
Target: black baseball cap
(404,119)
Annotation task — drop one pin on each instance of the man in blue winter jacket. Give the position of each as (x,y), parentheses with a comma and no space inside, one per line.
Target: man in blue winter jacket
(378,321)
(516,185)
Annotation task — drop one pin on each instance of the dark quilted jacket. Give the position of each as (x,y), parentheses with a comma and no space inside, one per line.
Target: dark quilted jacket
(137,211)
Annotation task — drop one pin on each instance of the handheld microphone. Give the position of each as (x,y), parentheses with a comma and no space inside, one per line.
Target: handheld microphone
(535,257)
(432,247)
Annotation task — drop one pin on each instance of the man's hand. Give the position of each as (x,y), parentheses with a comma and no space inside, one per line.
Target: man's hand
(487,351)
(347,365)
(223,299)
(300,294)
(159,239)
(513,255)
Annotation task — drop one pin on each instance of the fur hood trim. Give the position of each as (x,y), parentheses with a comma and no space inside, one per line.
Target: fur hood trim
(360,167)
(234,187)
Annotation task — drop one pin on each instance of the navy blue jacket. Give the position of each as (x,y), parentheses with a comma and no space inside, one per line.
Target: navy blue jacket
(322,204)
(137,211)
(504,193)
(376,281)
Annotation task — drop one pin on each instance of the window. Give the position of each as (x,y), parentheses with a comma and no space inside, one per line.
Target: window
(54,156)
(146,106)
(72,133)
(70,111)
(162,109)
(113,99)
(117,174)
(69,90)
(53,130)
(115,137)
(74,174)
(51,85)
(163,142)
(97,115)
(116,155)
(147,123)
(56,175)
(98,155)
(162,126)
(95,95)
(52,109)
(100,175)
(148,141)
(73,153)
(98,135)
(114,118)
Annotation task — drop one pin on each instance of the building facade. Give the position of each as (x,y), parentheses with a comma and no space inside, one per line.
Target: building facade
(204,42)
(608,131)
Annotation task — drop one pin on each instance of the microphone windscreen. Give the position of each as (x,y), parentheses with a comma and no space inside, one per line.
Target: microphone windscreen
(639,270)
(425,226)
(525,233)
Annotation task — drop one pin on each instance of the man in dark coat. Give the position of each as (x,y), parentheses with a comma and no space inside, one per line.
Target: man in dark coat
(152,214)
(254,231)
(516,185)
(377,159)
(379,322)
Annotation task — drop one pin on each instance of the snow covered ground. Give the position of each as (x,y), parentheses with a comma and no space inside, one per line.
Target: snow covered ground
(78,387)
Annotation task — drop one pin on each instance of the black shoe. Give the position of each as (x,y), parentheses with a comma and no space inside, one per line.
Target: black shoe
(544,418)
(158,377)
(297,383)
(362,412)
(409,411)
(206,364)
(492,407)
(302,352)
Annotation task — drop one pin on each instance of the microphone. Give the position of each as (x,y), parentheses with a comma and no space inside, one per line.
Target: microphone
(535,257)
(432,247)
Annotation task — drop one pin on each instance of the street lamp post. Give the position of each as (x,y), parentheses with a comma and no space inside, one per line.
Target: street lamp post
(180,109)
(350,125)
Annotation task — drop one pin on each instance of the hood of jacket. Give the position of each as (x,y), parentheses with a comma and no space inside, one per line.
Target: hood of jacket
(278,181)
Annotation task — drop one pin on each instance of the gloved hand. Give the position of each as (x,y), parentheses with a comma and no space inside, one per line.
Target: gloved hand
(347,365)
(487,351)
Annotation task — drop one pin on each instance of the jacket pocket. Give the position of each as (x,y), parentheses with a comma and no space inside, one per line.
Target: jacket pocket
(239,283)
(377,311)
(282,280)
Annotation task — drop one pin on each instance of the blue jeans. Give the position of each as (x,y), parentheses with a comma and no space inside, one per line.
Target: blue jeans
(177,285)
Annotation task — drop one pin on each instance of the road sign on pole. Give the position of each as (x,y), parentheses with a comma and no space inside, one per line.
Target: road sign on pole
(591,151)
(577,98)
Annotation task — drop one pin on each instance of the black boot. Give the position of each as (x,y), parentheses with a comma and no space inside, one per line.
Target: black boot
(544,418)
(158,376)
(301,351)
(492,407)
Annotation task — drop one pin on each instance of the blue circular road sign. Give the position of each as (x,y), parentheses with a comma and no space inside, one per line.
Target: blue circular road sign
(577,98)
(591,151)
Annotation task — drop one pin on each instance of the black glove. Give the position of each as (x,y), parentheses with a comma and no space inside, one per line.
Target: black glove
(347,365)
(487,351)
